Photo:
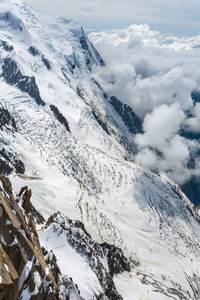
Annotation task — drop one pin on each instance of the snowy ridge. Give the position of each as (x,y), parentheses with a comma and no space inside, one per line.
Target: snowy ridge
(88,173)
(74,244)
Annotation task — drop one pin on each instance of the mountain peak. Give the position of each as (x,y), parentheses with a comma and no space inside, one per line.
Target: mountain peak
(74,147)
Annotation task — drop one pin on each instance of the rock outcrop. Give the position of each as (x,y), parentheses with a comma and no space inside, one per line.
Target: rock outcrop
(24,273)
(33,51)
(93,253)
(12,75)
(91,54)
(46,62)
(10,161)
(101,123)
(60,117)
(7,47)
(6,119)
(128,115)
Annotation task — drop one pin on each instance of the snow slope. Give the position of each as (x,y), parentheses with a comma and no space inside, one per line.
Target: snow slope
(88,173)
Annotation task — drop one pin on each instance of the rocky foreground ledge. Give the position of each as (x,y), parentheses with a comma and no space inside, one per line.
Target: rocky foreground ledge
(28,271)
(24,273)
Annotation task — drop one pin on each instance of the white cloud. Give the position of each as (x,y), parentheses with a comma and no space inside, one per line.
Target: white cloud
(161,147)
(155,75)
(160,126)
(158,71)
(192,124)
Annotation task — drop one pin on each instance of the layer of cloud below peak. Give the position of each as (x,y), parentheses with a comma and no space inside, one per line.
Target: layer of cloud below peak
(156,75)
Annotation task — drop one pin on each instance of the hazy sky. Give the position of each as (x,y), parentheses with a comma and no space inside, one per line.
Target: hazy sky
(166,16)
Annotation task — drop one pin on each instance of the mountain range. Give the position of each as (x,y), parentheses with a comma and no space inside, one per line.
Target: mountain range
(88,223)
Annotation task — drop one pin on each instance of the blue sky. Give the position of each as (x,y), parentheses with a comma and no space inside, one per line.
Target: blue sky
(166,16)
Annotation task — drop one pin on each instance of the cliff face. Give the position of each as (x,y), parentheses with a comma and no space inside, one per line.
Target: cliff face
(23,269)
(9,160)
(12,75)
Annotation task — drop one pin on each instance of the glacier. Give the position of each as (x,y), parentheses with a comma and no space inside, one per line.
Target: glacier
(88,173)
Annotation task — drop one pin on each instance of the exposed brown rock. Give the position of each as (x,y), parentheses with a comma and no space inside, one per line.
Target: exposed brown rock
(8,277)
(21,256)
(26,196)
(6,184)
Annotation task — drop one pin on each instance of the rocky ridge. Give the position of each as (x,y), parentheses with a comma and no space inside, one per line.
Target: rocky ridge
(12,75)
(23,267)
(9,160)
(94,253)
(31,271)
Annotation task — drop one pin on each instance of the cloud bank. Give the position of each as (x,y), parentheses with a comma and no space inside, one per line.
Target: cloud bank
(156,75)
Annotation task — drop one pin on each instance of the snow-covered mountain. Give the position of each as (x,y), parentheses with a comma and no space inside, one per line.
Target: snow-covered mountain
(122,232)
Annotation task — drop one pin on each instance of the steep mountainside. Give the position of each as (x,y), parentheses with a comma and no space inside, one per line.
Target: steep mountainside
(136,235)
(31,272)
